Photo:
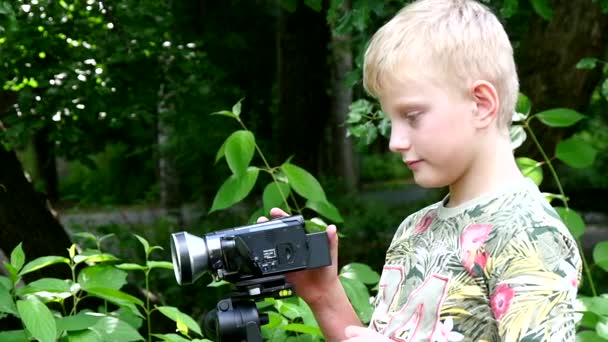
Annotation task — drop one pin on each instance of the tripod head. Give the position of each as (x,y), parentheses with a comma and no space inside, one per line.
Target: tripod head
(236,318)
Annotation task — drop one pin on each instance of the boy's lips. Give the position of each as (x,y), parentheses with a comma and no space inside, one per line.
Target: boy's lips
(412,163)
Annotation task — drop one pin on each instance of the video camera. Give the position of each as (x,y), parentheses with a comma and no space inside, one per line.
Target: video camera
(254,258)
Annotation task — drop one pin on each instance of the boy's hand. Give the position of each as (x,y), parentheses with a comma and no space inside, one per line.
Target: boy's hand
(360,334)
(314,285)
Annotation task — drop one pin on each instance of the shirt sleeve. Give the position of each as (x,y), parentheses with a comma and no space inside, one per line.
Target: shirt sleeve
(533,286)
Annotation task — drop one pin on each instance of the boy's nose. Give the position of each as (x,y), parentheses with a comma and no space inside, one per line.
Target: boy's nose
(399,141)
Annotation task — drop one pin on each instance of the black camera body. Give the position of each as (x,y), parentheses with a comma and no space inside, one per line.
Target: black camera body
(248,252)
(254,258)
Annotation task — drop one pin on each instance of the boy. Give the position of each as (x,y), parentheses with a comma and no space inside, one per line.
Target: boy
(490,262)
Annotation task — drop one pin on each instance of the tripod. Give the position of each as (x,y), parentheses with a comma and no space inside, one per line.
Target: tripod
(236,318)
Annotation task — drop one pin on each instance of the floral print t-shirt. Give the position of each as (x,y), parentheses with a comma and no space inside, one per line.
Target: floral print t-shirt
(502,267)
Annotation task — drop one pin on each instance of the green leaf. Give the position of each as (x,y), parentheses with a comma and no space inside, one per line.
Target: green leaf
(302,328)
(113,329)
(326,209)
(272,197)
(518,136)
(183,321)
(289,310)
(572,220)
(524,105)
(160,264)
(37,319)
(7,304)
(220,153)
(13,336)
(225,113)
(234,189)
(315,225)
(81,321)
(604,89)
(587,336)
(384,127)
(99,276)
(542,8)
(602,329)
(586,63)
(17,257)
(239,150)
(360,272)
(575,152)
(289,5)
(86,236)
(131,267)
(117,297)
(560,117)
(84,336)
(597,305)
(600,257)
(509,8)
(530,168)
(94,256)
(359,297)
(144,243)
(42,262)
(171,338)
(47,285)
(303,183)
(314,4)
(236,109)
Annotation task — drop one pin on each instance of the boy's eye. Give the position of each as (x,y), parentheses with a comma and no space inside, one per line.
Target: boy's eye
(412,116)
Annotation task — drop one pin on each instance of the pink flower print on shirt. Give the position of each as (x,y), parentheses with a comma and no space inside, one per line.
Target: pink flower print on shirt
(471,241)
(443,332)
(500,301)
(425,222)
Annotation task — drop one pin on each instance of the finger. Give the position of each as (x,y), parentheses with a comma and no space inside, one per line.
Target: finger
(332,235)
(277,212)
(262,219)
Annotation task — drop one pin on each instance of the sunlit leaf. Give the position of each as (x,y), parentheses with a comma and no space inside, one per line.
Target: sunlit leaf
(600,256)
(180,318)
(572,220)
(302,182)
(560,117)
(360,272)
(235,189)
(42,262)
(326,209)
(275,195)
(38,319)
(531,168)
(524,105)
(17,257)
(239,150)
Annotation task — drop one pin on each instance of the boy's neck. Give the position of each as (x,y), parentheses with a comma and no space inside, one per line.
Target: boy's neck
(493,169)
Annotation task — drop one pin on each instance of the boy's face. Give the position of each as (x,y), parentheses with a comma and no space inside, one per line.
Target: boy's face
(432,128)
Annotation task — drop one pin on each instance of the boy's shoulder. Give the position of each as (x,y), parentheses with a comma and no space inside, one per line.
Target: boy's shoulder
(510,211)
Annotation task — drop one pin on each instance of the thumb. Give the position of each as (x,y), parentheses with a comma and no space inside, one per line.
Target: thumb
(332,236)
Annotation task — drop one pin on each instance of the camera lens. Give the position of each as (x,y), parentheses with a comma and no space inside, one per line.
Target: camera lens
(189,256)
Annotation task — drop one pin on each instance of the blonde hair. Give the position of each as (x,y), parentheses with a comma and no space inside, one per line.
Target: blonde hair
(458,40)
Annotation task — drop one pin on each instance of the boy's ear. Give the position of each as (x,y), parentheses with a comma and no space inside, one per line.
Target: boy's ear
(486,100)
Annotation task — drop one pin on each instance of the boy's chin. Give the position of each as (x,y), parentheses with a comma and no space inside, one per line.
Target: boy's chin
(429,183)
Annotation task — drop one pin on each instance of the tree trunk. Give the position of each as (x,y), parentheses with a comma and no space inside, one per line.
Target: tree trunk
(25,217)
(170,197)
(303,109)
(46,165)
(341,157)
(547,57)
